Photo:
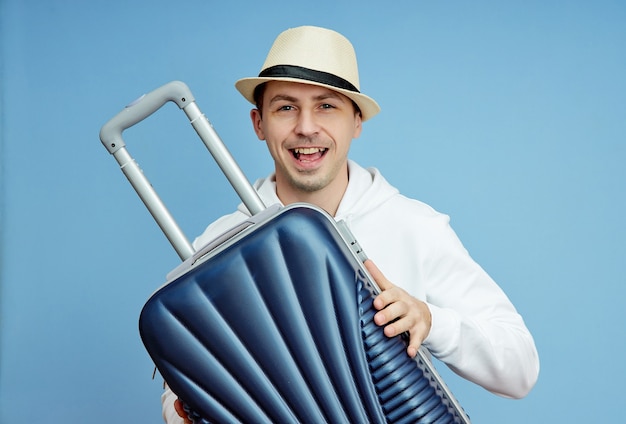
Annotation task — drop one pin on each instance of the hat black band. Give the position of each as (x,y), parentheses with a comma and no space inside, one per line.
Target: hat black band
(291,71)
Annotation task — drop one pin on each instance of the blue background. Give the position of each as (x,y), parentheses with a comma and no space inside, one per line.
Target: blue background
(508,116)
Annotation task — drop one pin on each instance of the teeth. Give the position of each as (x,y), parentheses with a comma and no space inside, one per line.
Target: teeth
(308,150)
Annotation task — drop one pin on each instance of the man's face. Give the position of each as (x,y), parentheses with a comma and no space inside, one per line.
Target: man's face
(308,131)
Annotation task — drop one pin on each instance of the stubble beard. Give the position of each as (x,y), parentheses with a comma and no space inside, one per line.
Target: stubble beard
(308,182)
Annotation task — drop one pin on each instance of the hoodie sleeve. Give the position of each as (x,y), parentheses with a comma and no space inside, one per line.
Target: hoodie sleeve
(475,330)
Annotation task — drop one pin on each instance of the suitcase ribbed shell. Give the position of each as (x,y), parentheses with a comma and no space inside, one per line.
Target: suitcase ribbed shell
(277,328)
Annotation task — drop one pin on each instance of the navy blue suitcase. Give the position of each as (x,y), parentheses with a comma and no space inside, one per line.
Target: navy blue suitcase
(272,322)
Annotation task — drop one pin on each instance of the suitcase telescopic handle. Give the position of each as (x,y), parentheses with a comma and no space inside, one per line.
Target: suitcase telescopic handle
(140,109)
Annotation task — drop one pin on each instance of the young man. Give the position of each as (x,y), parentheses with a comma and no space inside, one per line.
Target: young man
(308,111)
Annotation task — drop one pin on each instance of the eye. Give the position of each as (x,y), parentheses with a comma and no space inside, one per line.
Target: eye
(286,107)
(327,106)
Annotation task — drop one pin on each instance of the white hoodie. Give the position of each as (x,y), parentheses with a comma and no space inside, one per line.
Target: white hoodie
(475,329)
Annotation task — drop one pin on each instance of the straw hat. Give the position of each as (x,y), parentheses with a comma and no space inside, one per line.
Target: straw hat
(312,55)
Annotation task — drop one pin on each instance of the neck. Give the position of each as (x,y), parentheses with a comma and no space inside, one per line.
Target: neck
(330,203)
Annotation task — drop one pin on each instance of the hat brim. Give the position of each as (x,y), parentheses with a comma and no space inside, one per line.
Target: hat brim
(368,106)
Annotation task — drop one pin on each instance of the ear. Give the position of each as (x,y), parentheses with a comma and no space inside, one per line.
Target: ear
(358,125)
(257,120)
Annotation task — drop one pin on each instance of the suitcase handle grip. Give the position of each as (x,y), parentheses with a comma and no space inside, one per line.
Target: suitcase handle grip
(140,109)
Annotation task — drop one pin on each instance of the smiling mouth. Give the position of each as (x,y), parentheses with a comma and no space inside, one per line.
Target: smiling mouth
(308,153)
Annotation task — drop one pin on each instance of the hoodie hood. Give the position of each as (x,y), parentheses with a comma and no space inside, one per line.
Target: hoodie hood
(367,189)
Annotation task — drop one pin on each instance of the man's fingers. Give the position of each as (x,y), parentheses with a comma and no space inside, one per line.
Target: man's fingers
(399,312)
(180,409)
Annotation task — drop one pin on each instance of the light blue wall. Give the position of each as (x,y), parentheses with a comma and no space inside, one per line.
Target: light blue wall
(509,116)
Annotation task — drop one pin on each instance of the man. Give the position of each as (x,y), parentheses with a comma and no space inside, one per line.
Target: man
(308,110)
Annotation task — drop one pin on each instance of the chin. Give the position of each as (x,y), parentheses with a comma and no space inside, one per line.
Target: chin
(309,185)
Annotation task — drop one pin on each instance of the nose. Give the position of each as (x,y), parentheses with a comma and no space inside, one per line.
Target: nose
(307,124)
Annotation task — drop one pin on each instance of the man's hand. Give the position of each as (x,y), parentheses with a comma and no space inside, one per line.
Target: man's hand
(178,405)
(399,312)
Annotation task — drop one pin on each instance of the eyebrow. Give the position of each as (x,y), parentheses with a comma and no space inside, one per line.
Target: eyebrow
(327,95)
(281,97)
